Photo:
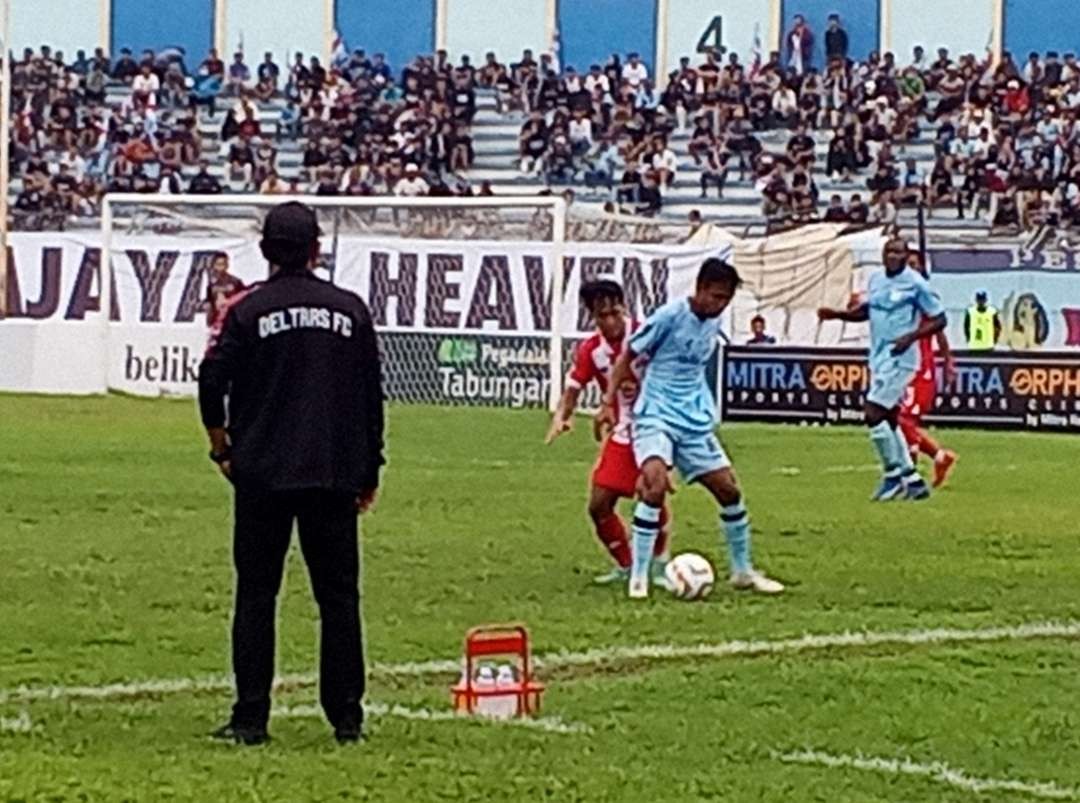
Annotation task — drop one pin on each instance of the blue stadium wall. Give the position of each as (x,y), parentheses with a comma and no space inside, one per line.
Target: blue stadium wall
(590,30)
(179,23)
(1041,25)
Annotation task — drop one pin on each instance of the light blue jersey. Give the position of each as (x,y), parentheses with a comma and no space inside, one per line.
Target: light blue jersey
(897,306)
(678,345)
(675,413)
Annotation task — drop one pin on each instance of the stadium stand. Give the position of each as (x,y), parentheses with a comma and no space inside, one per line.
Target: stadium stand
(982,144)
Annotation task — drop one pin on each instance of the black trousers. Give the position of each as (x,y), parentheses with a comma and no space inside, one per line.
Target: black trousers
(327,524)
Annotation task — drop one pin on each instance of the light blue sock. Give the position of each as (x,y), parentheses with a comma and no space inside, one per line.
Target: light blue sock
(884,439)
(736,523)
(646,528)
(903,458)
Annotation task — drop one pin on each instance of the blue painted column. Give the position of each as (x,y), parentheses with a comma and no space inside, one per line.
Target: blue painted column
(185,23)
(401,29)
(591,30)
(860,18)
(1041,25)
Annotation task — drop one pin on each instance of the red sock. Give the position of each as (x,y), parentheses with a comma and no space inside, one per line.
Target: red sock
(664,537)
(927,445)
(910,432)
(612,534)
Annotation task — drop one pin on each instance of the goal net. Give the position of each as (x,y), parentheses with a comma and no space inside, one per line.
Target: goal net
(460,289)
(475,299)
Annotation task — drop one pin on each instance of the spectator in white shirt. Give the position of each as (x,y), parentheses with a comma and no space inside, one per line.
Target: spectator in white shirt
(597,78)
(664,162)
(634,72)
(785,106)
(412,184)
(144,89)
(580,132)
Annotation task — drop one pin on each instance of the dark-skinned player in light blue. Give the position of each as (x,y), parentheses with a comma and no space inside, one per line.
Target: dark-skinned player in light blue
(902,309)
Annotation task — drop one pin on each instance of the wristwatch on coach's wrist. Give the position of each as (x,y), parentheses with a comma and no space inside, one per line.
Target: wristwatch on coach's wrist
(220,457)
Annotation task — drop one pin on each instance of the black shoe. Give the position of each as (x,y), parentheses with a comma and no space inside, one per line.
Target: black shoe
(349,730)
(241,734)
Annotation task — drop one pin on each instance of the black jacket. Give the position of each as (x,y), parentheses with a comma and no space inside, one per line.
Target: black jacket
(298,360)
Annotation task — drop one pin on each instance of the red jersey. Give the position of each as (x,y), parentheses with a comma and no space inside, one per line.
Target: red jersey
(221,312)
(593,360)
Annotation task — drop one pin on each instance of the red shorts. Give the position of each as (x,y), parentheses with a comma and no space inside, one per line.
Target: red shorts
(616,470)
(918,399)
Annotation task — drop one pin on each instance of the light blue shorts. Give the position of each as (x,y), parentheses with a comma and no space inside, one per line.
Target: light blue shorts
(888,384)
(693,454)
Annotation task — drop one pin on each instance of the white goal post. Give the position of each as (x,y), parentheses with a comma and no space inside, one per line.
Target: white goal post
(354,223)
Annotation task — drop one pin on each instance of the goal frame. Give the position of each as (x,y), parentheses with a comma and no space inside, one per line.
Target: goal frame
(555,203)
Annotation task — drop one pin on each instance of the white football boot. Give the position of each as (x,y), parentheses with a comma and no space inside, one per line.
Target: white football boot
(755,581)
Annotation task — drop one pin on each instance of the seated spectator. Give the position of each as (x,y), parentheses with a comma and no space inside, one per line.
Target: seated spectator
(213,65)
(649,199)
(883,211)
(412,184)
(857,211)
(203,183)
(205,90)
(144,88)
(801,147)
(835,213)
(268,72)
(238,76)
(126,68)
(663,162)
(912,184)
(533,143)
(715,171)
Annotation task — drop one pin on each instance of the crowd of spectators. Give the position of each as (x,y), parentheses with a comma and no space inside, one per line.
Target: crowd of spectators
(1004,136)
(365,129)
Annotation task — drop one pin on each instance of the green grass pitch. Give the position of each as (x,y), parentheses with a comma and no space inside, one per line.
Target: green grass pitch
(115,568)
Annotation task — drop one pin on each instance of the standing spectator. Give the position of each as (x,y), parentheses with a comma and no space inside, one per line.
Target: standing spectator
(982,325)
(800,46)
(758,335)
(836,40)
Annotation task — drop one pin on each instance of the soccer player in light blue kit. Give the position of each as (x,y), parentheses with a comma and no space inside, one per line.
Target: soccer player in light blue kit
(897,300)
(675,419)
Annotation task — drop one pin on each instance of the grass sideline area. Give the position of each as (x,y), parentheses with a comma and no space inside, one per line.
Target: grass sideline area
(116,569)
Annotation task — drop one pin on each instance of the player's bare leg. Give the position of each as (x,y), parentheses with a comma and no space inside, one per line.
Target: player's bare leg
(611,532)
(652,491)
(735,521)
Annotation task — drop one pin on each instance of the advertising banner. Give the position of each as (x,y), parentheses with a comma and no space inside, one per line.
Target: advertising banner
(827,386)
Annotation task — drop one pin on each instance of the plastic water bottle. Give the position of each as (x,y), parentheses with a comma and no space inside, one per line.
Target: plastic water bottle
(507,681)
(485,681)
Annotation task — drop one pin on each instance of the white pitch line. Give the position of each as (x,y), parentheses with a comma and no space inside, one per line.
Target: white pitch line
(545,724)
(937,771)
(596,657)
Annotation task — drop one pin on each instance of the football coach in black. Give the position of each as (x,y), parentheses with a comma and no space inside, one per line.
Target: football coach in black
(295,374)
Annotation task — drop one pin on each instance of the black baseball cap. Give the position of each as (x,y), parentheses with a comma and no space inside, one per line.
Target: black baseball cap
(291,222)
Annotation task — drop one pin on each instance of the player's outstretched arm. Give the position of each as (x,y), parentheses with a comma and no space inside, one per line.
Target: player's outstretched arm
(854,315)
(563,420)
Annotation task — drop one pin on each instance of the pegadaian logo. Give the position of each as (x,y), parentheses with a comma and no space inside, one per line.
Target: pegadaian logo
(458,351)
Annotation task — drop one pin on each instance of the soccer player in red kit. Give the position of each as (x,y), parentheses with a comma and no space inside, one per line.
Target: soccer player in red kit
(615,475)
(920,395)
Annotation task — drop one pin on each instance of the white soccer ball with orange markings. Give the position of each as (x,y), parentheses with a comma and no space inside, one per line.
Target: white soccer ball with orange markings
(690,576)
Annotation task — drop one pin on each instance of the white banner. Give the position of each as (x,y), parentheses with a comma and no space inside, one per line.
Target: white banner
(54,339)
(505,287)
